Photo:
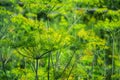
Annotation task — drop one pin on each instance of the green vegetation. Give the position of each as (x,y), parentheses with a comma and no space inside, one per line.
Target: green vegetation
(59,39)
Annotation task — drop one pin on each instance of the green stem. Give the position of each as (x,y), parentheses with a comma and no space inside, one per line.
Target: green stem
(36,70)
(48,66)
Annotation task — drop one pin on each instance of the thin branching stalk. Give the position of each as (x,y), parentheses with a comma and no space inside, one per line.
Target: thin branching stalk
(113,52)
(71,71)
(67,65)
